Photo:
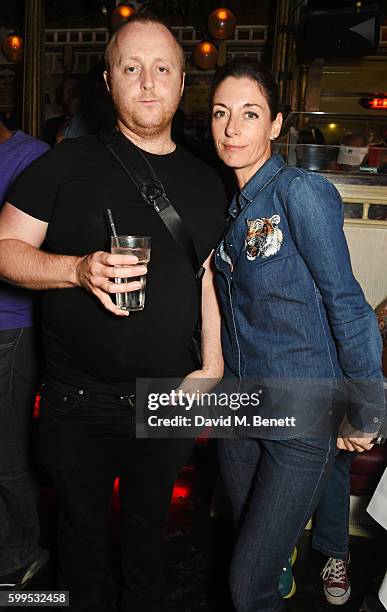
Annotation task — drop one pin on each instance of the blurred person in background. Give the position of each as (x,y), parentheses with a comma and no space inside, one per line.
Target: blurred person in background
(71,99)
(20,554)
(352,152)
(88,108)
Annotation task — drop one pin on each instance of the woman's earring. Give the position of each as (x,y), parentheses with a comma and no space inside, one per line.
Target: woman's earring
(272,138)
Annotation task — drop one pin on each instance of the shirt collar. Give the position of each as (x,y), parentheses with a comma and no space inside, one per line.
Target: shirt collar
(257,182)
(262,177)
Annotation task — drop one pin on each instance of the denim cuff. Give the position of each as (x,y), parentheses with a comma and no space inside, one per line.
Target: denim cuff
(368,420)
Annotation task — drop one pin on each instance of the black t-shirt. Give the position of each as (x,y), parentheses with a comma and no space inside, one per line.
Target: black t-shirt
(71,187)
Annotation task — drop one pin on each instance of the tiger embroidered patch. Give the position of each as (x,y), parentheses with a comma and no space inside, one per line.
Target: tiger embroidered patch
(263,237)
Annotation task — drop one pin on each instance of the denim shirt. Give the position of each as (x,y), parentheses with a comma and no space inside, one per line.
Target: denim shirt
(291,307)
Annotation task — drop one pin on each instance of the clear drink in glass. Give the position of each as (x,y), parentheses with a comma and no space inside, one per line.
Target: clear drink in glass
(139,246)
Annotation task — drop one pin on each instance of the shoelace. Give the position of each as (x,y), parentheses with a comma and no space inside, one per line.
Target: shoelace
(335,569)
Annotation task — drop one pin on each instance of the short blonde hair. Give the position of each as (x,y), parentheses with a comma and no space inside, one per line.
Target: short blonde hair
(141,17)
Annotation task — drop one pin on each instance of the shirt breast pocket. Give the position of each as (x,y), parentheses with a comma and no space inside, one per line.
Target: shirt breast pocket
(274,278)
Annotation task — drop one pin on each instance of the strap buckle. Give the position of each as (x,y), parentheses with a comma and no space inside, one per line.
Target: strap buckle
(151,192)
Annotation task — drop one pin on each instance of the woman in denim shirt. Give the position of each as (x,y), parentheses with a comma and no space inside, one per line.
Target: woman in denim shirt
(296,328)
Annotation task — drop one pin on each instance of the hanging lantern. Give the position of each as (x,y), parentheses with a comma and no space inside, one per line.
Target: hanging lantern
(121,14)
(13,47)
(221,24)
(205,55)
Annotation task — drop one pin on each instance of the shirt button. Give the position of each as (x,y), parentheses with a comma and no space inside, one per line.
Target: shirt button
(65,398)
(376,420)
(80,391)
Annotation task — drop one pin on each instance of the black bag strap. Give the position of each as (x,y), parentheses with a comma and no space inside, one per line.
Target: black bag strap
(142,174)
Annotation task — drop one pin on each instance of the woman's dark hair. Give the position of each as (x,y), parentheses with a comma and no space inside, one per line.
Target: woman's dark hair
(254,70)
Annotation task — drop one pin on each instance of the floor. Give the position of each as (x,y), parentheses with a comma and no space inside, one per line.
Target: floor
(198,550)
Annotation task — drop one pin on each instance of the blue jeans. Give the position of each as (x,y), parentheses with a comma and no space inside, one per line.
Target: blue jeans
(331,521)
(274,487)
(19,526)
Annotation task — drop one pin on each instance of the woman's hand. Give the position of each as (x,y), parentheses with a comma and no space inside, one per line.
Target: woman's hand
(355,444)
(351,439)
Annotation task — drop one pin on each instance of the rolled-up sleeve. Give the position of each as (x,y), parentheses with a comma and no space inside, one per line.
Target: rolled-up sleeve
(315,213)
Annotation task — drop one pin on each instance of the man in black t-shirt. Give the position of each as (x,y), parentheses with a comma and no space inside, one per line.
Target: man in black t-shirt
(94,351)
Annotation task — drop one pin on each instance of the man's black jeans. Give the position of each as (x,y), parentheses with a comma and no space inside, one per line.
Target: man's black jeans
(19,526)
(85,443)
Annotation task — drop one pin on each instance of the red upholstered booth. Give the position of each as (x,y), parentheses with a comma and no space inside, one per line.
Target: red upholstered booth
(367,469)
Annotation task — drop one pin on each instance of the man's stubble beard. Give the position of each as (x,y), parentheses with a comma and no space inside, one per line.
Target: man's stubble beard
(135,121)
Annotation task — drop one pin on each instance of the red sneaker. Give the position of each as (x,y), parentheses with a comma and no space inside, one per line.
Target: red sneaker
(337,588)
